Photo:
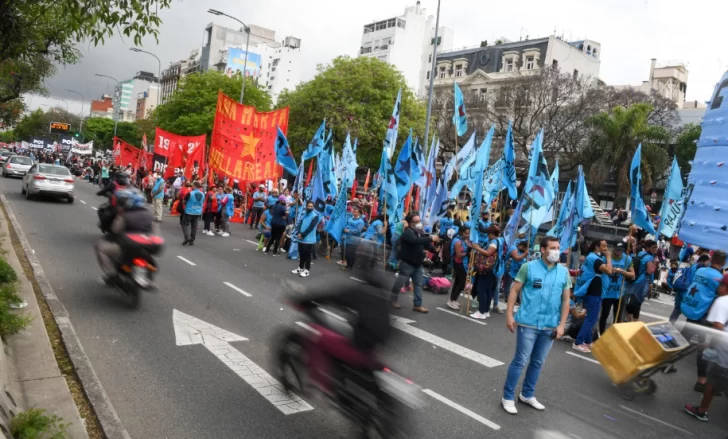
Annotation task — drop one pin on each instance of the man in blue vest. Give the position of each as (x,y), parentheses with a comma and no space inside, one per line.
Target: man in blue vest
(612,285)
(545,288)
(192,213)
(644,266)
(158,196)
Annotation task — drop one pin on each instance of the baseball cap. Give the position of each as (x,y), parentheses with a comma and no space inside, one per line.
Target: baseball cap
(262,186)
(619,246)
(282,198)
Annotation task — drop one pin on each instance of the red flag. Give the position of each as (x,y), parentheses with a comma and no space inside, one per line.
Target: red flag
(194,163)
(172,150)
(366,182)
(407,200)
(310,173)
(353,188)
(126,154)
(145,147)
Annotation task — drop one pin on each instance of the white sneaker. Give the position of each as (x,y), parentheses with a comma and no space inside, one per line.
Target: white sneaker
(225,235)
(581,348)
(305,273)
(453,305)
(487,315)
(297,271)
(509,406)
(531,401)
(478,315)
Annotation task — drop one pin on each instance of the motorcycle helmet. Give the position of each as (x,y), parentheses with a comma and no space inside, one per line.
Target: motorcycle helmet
(130,199)
(121,179)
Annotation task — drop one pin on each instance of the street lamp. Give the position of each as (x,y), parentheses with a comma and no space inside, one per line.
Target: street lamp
(116,114)
(159,71)
(82,102)
(64,101)
(247,42)
(432,76)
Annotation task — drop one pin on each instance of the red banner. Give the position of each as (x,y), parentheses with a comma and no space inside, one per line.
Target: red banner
(172,152)
(125,154)
(243,141)
(195,161)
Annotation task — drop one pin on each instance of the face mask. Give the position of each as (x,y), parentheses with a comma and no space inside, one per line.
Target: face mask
(309,209)
(553,256)
(418,226)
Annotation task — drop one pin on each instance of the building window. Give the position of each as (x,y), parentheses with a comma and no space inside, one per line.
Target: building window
(275,61)
(459,72)
(530,62)
(555,64)
(429,58)
(272,78)
(483,93)
(428,74)
(401,23)
(443,72)
(273,69)
(509,65)
(576,74)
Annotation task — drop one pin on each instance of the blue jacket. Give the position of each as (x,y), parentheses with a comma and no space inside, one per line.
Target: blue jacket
(515,265)
(375,231)
(541,295)
(194,203)
(259,199)
(612,284)
(355,227)
(697,300)
(308,227)
(587,275)
(230,205)
(157,184)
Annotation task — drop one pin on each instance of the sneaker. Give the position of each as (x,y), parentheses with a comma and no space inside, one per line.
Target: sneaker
(297,271)
(509,406)
(531,401)
(453,305)
(305,273)
(694,410)
(498,310)
(185,242)
(403,290)
(421,309)
(581,348)
(478,315)
(283,250)
(265,251)
(225,235)
(396,305)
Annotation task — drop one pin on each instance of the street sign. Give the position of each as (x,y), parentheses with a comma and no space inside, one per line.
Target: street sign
(60,127)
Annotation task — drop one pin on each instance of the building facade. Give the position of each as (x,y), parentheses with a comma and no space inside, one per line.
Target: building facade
(126,95)
(406,42)
(103,107)
(146,102)
(668,79)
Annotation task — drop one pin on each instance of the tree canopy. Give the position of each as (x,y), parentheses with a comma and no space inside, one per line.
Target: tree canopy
(355,95)
(686,146)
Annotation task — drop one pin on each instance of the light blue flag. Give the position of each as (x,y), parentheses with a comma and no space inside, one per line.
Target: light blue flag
(640,217)
(284,156)
(438,207)
(672,202)
(539,193)
(419,167)
(318,193)
(492,181)
(300,179)
(326,162)
(571,226)
(348,163)
(555,185)
(430,175)
(582,207)
(635,177)
(335,226)
(564,212)
(479,164)
(482,153)
(469,174)
(403,168)
(509,171)
(515,224)
(390,140)
(460,116)
(457,160)
(317,143)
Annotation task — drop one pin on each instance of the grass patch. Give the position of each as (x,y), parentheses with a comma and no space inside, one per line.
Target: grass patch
(36,424)
(11,322)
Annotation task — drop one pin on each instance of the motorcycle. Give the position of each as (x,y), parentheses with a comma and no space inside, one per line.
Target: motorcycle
(375,398)
(137,265)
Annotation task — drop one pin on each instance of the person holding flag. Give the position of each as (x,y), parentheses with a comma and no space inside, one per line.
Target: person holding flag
(306,239)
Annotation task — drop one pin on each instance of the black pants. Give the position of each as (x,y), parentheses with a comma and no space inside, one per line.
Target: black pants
(458,285)
(189,226)
(608,305)
(446,256)
(209,217)
(304,255)
(276,231)
(351,248)
(255,216)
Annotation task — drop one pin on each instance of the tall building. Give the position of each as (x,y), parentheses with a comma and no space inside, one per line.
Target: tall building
(669,80)
(218,38)
(406,42)
(176,71)
(146,102)
(125,103)
(103,107)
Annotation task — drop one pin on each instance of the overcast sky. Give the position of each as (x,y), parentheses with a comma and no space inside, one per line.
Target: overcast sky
(631,32)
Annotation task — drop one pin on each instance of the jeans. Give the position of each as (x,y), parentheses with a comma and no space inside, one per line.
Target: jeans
(592,304)
(189,226)
(350,256)
(507,284)
(208,217)
(485,285)
(678,301)
(225,222)
(532,347)
(407,271)
(496,292)
(393,254)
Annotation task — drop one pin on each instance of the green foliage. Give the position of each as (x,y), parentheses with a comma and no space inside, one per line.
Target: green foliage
(101,131)
(36,424)
(11,322)
(615,139)
(7,136)
(685,146)
(356,96)
(38,122)
(191,110)
(7,273)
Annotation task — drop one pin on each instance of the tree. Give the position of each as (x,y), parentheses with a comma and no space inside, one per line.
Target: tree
(686,146)
(8,136)
(101,131)
(35,35)
(191,110)
(614,142)
(38,122)
(354,95)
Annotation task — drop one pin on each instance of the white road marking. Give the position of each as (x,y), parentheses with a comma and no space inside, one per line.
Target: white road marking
(654,316)
(403,325)
(582,357)
(187,260)
(659,421)
(82,201)
(357,279)
(462,409)
(308,328)
(461,316)
(189,330)
(94,208)
(252,242)
(238,289)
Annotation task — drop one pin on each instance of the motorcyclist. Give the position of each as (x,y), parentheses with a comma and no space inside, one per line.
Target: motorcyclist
(107,212)
(132,217)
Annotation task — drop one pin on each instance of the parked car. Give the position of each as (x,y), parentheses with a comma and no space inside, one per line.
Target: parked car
(46,179)
(16,165)
(4,156)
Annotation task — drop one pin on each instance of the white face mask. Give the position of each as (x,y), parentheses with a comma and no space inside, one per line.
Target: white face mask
(553,256)
(418,226)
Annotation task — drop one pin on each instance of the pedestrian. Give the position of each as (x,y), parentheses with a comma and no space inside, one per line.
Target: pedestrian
(375,232)
(306,240)
(104,174)
(209,210)
(277,224)
(259,198)
(352,232)
(192,213)
(589,289)
(613,286)
(411,256)
(397,231)
(264,228)
(272,199)
(682,282)
(158,196)
(485,284)
(545,289)
(517,256)
(460,246)
(178,182)
(445,224)
(641,288)
(226,212)
(147,184)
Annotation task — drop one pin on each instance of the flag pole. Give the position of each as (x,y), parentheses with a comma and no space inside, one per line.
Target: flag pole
(386,227)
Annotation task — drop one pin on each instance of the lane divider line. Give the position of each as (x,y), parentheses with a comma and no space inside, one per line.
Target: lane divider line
(237,289)
(582,357)
(659,421)
(461,316)
(357,279)
(82,201)
(462,409)
(654,316)
(187,260)
(252,242)
(94,208)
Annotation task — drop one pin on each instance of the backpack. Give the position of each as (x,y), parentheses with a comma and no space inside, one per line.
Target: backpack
(439,285)
(485,263)
(637,261)
(683,278)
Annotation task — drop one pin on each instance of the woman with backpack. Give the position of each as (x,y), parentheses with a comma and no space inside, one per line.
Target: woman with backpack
(589,288)
(489,266)
(460,247)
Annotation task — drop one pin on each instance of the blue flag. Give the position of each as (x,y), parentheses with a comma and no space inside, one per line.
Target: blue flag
(672,202)
(318,193)
(419,166)
(326,162)
(317,143)
(539,193)
(335,226)
(582,207)
(348,163)
(403,168)
(509,171)
(564,212)
(515,223)
(430,175)
(640,217)
(300,178)
(284,156)
(390,140)
(460,116)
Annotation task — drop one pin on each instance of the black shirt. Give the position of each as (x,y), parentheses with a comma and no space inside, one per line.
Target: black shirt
(595,287)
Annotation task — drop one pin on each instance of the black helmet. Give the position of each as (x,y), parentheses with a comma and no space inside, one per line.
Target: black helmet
(121,179)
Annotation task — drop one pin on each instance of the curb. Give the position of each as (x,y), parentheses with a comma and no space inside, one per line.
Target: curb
(104,410)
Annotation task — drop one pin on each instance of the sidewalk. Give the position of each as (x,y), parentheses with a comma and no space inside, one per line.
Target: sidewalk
(29,374)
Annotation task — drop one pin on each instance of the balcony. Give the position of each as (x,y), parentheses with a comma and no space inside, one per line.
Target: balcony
(364,50)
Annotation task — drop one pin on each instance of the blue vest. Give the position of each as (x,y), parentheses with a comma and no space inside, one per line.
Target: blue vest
(194,204)
(374,232)
(643,258)
(541,295)
(587,275)
(354,226)
(499,245)
(310,219)
(612,284)
(515,265)
(267,220)
(697,300)
(445,224)
(466,258)
(230,205)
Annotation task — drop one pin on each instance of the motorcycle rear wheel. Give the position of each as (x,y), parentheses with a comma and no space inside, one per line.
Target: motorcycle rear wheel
(290,362)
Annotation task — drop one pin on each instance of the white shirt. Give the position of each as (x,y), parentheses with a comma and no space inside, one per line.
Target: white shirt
(177,183)
(719,313)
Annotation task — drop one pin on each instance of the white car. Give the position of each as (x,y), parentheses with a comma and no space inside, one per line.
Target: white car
(16,165)
(46,179)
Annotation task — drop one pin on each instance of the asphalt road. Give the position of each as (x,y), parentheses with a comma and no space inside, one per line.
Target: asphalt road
(162,390)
